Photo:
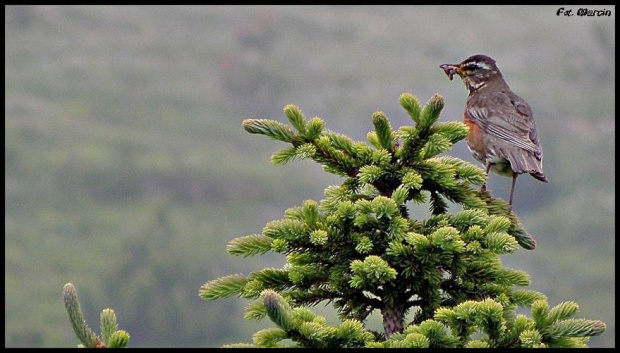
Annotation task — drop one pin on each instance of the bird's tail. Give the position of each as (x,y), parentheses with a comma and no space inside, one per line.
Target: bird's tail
(540,176)
(523,161)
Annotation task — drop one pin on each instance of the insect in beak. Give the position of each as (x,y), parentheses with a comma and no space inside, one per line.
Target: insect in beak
(450,70)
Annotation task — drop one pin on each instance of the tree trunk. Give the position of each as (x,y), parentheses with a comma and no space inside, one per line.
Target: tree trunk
(393,318)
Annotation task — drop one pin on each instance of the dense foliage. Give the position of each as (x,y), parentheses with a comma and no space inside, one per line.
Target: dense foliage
(361,250)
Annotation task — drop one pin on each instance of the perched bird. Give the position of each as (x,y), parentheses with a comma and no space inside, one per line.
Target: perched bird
(502,133)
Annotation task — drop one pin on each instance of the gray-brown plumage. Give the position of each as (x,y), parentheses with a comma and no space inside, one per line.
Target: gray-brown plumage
(502,132)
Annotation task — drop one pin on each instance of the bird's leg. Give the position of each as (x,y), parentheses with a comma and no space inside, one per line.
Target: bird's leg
(484,186)
(512,189)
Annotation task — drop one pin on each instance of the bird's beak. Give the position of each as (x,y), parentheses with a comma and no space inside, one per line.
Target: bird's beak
(451,69)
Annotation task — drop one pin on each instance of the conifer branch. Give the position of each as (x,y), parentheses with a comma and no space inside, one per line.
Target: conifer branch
(430,112)
(411,105)
(108,325)
(315,128)
(88,338)
(296,117)
(255,311)
(278,310)
(384,132)
(269,128)
(223,287)
(249,245)
(118,339)
(575,328)
(562,311)
(112,336)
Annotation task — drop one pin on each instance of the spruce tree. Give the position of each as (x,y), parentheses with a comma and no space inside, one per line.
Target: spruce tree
(436,282)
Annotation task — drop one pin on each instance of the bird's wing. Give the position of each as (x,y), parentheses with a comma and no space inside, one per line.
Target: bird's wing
(509,118)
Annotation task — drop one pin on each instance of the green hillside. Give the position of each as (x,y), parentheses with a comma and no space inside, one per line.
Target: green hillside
(127,170)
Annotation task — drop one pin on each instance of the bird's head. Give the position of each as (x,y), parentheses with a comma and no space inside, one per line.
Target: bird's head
(475,71)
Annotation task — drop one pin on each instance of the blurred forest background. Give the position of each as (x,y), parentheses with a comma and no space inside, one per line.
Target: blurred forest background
(128,170)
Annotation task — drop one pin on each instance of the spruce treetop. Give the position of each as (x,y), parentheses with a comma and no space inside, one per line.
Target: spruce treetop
(436,282)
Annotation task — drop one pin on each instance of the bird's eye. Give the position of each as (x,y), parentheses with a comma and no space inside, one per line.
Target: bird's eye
(471,66)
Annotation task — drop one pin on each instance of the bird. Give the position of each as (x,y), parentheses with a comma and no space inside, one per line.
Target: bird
(502,133)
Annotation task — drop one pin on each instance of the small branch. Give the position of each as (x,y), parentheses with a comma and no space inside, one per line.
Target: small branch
(81,329)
